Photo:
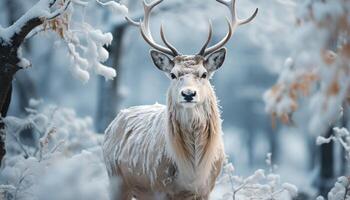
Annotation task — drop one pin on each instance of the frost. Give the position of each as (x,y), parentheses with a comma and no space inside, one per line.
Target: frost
(257,186)
(115,7)
(322,140)
(86,47)
(23,63)
(292,189)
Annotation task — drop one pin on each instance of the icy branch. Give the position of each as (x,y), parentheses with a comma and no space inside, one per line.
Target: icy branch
(115,7)
(257,186)
(41,11)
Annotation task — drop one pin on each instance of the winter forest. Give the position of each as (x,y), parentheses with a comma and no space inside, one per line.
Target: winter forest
(68,67)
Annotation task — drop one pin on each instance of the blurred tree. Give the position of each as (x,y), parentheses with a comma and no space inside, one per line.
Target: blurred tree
(318,70)
(326,179)
(24,85)
(108,92)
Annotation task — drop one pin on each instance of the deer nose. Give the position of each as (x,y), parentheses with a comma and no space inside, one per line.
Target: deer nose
(188,94)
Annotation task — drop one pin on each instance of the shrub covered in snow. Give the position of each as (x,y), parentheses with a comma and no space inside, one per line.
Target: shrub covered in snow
(52,154)
(260,185)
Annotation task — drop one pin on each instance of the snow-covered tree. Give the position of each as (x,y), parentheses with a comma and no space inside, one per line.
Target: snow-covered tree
(85,44)
(318,67)
(315,78)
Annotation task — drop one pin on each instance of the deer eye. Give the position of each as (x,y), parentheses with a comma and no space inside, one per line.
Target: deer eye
(173,76)
(204,75)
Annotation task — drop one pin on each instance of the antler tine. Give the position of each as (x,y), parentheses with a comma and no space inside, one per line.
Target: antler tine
(148,9)
(232,7)
(233,24)
(222,42)
(132,22)
(171,47)
(151,42)
(144,26)
(202,51)
(245,21)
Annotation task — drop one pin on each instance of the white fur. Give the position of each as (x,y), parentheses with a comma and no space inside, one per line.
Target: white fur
(145,143)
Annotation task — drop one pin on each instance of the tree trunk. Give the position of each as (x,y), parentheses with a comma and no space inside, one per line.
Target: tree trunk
(8,68)
(6,76)
(326,166)
(108,91)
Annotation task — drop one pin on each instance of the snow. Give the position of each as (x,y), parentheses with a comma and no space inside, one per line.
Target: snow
(340,135)
(115,7)
(285,39)
(321,140)
(292,189)
(40,9)
(257,186)
(340,189)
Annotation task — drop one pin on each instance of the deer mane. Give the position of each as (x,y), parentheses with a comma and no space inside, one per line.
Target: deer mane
(193,136)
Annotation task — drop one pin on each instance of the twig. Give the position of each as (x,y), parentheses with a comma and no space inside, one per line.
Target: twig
(59,11)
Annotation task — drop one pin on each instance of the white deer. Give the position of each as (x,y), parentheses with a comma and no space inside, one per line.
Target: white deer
(172,151)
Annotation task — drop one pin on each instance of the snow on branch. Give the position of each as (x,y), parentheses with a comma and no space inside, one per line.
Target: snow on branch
(340,135)
(115,7)
(41,11)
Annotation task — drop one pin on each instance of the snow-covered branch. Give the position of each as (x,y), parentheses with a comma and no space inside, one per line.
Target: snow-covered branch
(260,185)
(340,135)
(37,15)
(85,44)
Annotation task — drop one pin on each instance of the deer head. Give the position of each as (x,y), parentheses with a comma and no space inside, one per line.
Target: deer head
(189,74)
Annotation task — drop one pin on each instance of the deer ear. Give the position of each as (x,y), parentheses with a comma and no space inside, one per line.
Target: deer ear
(215,60)
(162,61)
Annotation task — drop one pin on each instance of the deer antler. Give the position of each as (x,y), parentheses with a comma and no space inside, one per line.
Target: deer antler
(233,24)
(146,33)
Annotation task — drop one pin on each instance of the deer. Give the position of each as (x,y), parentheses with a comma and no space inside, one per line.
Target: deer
(172,151)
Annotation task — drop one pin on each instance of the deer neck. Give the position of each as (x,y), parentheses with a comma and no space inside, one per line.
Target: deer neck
(194,137)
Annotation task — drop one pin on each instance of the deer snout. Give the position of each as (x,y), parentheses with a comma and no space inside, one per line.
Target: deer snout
(188,94)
